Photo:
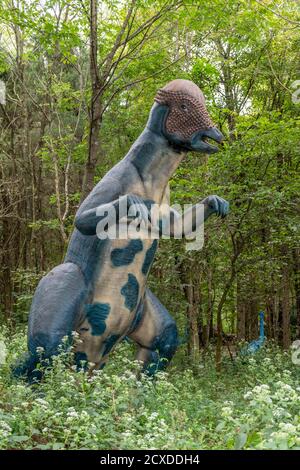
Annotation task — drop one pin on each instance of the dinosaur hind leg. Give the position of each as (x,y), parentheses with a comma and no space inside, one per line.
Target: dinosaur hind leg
(156,335)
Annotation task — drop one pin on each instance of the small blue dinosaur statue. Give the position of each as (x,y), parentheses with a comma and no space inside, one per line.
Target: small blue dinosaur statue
(100,290)
(255,345)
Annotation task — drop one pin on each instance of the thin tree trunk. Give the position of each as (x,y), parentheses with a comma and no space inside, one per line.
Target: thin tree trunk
(209,316)
(285,306)
(253,321)
(296,256)
(192,312)
(190,279)
(95,107)
(241,311)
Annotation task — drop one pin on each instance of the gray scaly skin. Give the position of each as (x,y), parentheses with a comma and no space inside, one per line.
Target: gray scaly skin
(100,288)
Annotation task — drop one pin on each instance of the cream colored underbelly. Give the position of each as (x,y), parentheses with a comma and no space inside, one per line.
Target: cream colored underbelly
(108,290)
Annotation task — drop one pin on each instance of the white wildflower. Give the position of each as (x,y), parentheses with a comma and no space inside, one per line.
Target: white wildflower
(153,416)
(5,427)
(287,427)
(226,411)
(42,402)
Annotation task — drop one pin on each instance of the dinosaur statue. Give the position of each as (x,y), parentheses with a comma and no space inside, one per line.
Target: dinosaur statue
(256,344)
(100,290)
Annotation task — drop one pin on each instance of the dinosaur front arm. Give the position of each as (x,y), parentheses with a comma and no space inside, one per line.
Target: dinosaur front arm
(177,225)
(86,221)
(109,214)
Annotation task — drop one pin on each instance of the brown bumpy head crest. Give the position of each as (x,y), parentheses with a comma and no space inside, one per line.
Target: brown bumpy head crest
(188,113)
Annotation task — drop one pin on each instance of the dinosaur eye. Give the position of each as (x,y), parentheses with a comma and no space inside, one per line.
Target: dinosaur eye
(184,107)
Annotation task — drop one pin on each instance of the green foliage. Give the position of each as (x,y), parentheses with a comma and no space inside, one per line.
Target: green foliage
(206,76)
(24,283)
(253,404)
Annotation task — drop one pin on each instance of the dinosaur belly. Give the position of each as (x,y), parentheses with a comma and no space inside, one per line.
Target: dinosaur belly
(118,291)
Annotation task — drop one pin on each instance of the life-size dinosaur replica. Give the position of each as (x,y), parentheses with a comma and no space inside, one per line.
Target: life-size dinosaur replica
(100,288)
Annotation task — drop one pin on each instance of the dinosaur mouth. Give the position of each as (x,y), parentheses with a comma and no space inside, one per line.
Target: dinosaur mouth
(210,136)
(207,141)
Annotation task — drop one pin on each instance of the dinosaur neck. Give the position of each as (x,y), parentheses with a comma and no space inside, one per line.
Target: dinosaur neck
(261,327)
(153,157)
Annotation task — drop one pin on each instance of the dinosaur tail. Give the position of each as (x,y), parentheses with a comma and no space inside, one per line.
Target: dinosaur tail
(53,315)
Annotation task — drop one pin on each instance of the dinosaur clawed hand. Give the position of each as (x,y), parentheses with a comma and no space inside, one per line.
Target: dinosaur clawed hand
(218,205)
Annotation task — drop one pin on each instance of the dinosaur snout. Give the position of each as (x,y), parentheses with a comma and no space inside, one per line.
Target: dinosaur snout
(201,140)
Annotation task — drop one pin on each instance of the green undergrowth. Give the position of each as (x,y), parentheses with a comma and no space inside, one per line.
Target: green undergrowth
(252,404)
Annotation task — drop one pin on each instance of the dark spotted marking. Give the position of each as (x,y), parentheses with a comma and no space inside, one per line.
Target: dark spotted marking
(130,290)
(96,314)
(125,256)
(81,360)
(149,257)
(109,343)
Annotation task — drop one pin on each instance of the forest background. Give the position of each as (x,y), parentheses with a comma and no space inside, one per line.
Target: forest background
(78,79)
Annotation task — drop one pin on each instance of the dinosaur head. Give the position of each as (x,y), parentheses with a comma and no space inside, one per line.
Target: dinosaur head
(182,117)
